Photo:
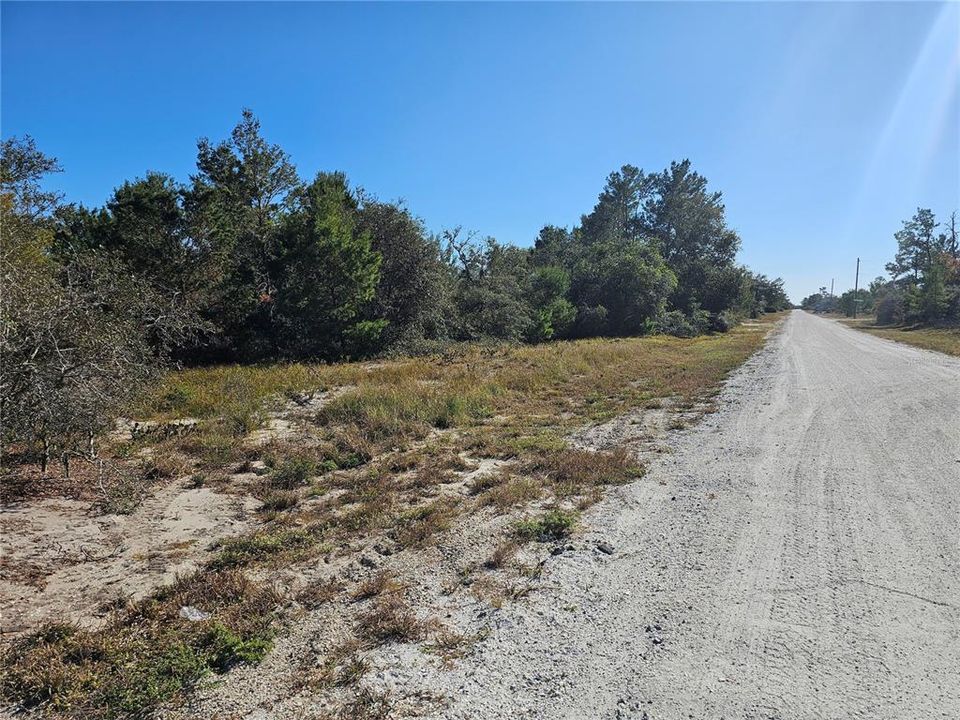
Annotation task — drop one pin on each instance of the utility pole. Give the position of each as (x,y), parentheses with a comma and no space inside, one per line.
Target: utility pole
(856,286)
(831,287)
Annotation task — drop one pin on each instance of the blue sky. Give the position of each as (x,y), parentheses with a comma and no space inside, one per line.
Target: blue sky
(824,124)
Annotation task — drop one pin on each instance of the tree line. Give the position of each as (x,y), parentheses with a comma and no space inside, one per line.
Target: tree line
(249,262)
(924,282)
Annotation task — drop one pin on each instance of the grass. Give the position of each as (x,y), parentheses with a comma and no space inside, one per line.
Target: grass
(148,654)
(293,472)
(280,500)
(945,340)
(379,583)
(377,459)
(263,546)
(389,619)
(553,525)
(544,388)
(415,527)
(572,472)
(510,491)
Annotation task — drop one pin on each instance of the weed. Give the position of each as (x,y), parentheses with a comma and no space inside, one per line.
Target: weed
(237,552)
(553,525)
(367,705)
(389,620)
(293,472)
(451,645)
(146,655)
(319,592)
(377,584)
(414,527)
(575,471)
(280,500)
(501,555)
(485,482)
(511,492)
(352,670)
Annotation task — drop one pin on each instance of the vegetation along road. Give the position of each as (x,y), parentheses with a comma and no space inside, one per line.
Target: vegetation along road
(796,556)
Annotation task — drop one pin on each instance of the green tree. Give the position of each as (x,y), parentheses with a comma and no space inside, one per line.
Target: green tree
(325,273)
(688,222)
(553,314)
(916,246)
(619,288)
(243,189)
(933,300)
(414,292)
(491,292)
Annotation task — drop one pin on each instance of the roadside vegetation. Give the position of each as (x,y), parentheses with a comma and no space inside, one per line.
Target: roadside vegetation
(378,390)
(941,339)
(389,457)
(248,262)
(923,292)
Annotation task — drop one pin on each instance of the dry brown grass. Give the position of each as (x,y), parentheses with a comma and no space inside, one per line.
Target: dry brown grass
(510,491)
(572,472)
(502,554)
(341,666)
(367,704)
(380,583)
(450,645)
(320,592)
(389,619)
(415,527)
(945,340)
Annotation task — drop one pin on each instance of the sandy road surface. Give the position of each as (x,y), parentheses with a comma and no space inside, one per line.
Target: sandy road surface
(796,556)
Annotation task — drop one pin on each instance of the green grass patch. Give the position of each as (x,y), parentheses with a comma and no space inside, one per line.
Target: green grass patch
(553,525)
(263,546)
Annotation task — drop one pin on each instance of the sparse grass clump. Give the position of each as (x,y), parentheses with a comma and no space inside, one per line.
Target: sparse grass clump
(319,592)
(263,546)
(389,619)
(553,525)
(279,500)
(366,705)
(414,527)
(293,472)
(572,472)
(501,555)
(511,491)
(379,583)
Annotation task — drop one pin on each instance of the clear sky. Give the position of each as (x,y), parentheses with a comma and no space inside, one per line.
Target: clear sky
(824,124)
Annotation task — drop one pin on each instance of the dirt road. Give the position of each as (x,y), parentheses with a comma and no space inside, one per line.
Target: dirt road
(796,556)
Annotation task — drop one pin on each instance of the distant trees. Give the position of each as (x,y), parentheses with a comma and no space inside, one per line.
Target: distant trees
(248,262)
(924,284)
(925,274)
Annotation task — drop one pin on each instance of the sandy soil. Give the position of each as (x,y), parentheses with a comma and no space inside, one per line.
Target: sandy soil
(795,556)
(59,560)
